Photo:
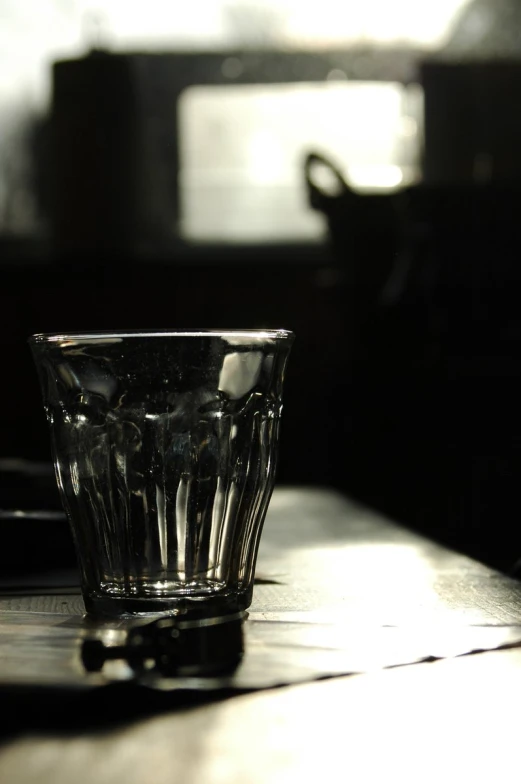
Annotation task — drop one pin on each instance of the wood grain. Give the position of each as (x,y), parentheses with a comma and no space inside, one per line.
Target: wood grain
(343,591)
(448,721)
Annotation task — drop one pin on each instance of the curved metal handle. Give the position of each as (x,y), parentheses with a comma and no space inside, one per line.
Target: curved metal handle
(318,197)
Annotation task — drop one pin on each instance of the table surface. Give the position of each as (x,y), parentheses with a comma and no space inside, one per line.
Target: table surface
(369,650)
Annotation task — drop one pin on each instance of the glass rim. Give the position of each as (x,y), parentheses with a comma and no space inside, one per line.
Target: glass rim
(255,334)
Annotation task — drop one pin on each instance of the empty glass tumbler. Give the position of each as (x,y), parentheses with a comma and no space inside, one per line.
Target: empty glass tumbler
(165,447)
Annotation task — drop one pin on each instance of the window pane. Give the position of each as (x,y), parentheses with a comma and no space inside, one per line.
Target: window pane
(243,149)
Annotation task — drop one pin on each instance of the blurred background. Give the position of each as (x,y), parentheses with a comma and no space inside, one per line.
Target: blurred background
(349,171)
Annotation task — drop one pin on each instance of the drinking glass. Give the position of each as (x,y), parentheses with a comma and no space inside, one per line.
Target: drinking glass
(165,449)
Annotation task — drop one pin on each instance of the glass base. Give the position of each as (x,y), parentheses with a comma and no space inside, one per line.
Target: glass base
(111,606)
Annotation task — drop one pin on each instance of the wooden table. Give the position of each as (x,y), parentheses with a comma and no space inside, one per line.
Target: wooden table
(371,654)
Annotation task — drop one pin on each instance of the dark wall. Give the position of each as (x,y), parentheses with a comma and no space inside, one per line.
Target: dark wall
(277,289)
(411,407)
